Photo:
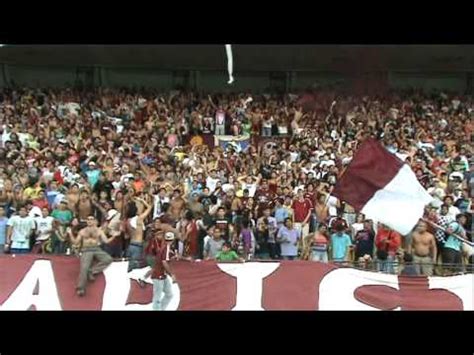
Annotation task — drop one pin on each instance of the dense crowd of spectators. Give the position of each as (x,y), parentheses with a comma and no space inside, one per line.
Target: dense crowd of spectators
(129,158)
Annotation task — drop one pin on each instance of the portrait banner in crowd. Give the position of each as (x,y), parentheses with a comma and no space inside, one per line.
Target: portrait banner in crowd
(268,142)
(202,139)
(35,283)
(237,143)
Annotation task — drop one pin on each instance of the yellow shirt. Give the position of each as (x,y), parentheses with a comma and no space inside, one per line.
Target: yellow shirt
(180,155)
(31,193)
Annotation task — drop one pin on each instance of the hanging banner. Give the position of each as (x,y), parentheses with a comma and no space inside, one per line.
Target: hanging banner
(48,283)
(237,143)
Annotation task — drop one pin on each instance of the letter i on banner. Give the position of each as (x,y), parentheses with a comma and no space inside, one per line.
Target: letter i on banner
(230,63)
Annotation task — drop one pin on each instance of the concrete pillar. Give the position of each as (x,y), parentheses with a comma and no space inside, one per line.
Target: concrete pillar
(469,83)
(197,79)
(6,75)
(291,81)
(101,76)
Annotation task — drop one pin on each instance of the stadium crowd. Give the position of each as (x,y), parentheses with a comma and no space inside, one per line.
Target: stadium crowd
(142,166)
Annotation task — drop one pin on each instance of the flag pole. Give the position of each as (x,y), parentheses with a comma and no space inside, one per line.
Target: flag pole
(437,226)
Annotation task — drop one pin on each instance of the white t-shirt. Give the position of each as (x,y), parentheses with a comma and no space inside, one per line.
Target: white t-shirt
(227,187)
(5,135)
(22,228)
(356,227)
(220,118)
(294,156)
(35,212)
(157,203)
(125,178)
(211,183)
(44,224)
(285,166)
(453,211)
(251,187)
(116,185)
(48,175)
(283,130)
(327,163)
(23,137)
(267,123)
(332,206)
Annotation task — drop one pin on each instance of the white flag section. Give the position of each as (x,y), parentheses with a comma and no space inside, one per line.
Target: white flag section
(403,194)
(230,63)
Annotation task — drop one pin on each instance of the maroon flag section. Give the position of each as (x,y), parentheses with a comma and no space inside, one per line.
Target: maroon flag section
(371,169)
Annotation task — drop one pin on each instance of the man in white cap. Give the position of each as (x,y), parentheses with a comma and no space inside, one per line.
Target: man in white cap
(163,253)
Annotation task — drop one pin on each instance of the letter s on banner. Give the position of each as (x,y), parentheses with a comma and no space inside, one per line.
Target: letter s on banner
(336,290)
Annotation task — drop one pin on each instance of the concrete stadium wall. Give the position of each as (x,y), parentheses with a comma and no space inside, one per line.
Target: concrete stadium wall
(40,76)
(448,81)
(302,80)
(137,77)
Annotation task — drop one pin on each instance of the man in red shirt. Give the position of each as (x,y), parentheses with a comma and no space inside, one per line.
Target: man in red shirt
(41,201)
(302,208)
(264,197)
(387,242)
(161,283)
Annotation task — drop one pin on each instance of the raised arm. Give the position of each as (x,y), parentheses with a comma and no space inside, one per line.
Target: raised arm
(211,102)
(148,208)
(102,210)
(104,237)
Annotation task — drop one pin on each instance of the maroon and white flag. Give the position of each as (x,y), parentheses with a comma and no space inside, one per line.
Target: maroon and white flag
(382,187)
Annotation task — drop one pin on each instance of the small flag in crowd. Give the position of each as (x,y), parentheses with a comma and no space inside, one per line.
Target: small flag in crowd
(382,187)
(230,63)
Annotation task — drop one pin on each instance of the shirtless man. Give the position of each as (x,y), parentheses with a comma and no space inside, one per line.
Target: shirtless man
(177,205)
(135,248)
(91,238)
(321,209)
(73,197)
(423,248)
(84,207)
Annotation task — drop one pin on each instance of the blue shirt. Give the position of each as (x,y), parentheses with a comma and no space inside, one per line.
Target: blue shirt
(288,238)
(3,230)
(340,243)
(453,243)
(51,196)
(281,214)
(93,176)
